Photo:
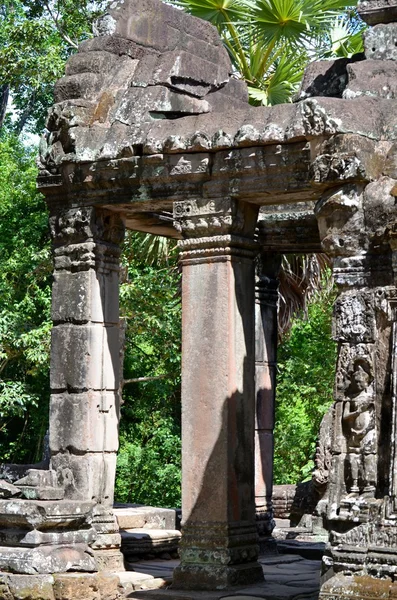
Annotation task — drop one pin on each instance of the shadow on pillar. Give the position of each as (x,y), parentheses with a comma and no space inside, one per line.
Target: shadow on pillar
(219,546)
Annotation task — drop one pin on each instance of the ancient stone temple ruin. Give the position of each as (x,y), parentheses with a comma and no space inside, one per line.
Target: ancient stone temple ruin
(150,131)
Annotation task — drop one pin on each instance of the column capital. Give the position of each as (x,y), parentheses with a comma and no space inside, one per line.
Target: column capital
(86,237)
(216,228)
(85,223)
(266,281)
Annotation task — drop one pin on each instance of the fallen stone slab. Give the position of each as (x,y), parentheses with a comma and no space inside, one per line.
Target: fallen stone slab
(8,490)
(133,516)
(70,586)
(141,542)
(132,580)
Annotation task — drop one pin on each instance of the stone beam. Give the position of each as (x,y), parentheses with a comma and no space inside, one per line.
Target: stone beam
(378,11)
(289,228)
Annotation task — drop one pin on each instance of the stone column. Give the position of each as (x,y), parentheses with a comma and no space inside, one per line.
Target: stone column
(266,333)
(85,363)
(219,546)
(353,224)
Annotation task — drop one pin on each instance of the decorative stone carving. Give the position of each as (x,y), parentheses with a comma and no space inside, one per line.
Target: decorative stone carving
(353,318)
(353,227)
(198,218)
(359,429)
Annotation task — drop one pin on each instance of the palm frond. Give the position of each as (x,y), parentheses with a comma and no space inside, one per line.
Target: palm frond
(294,21)
(343,39)
(153,250)
(301,277)
(217,12)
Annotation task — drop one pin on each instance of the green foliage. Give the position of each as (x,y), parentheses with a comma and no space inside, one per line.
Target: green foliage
(148,468)
(306,366)
(36,38)
(25,298)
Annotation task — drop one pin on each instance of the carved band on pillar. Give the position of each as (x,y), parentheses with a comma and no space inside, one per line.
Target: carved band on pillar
(266,334)
(85,365)
(219,546)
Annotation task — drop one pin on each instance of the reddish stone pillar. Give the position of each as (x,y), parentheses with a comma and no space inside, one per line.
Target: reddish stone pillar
(266,334)
(219,545)
(85,365)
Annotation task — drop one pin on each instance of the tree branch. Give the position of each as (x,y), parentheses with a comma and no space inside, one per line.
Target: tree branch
(139,379)
(61,32)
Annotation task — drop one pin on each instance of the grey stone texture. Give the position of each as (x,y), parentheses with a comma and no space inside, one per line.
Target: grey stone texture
(150,130)
(377,11)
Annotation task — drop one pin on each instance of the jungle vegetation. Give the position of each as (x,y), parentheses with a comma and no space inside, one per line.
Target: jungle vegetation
(36,38)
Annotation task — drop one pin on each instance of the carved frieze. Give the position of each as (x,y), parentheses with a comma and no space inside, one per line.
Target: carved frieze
(354,319)
(195,218)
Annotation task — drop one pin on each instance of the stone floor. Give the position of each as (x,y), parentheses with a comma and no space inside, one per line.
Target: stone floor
(287,577)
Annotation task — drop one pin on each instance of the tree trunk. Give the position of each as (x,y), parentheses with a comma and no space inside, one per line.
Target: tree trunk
(23,119)
(4,92)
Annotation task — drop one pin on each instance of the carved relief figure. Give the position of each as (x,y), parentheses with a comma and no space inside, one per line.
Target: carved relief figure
(359,429)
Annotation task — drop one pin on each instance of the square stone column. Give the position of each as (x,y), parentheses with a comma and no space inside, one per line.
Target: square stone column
(219,546)
(85,363)
(266,334)
(355,224)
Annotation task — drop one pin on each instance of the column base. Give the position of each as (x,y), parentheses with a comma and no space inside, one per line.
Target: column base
(216,577)
(107,545)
